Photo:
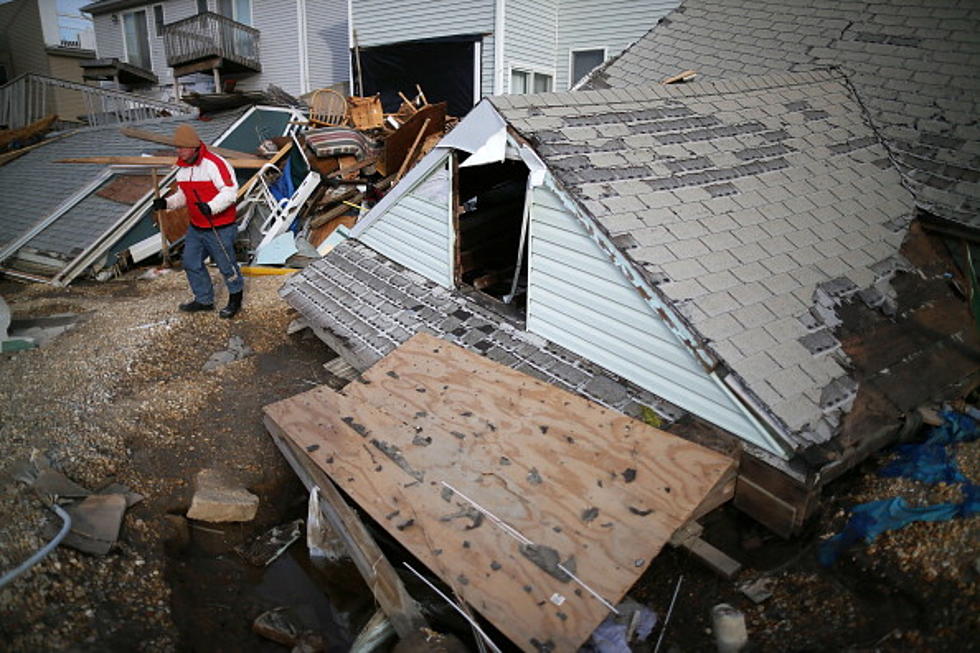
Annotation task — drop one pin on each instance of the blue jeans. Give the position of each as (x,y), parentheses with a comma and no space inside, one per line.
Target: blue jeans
(201,243)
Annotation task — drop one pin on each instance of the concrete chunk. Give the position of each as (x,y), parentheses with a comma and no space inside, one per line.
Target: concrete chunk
(218,497)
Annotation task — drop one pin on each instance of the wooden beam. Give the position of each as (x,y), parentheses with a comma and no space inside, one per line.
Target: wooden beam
(162,139)
(688,538)
(402,610)
(156,161)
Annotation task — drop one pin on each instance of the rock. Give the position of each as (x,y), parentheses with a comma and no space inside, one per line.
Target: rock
(237,350)
(218,497)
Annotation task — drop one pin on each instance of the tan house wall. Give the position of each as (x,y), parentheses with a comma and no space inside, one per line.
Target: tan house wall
(68,104)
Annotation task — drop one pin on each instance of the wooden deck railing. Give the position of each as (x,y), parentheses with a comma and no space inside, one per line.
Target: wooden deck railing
(211,35)
(30,97)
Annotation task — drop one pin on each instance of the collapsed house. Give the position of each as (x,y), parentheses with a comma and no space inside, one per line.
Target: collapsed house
(692,249)
(63,220)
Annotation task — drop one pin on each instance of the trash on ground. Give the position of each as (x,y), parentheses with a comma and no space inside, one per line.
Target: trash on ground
(758,590)
(634,622)
(268,546)
(728,624)
(322,541)
(237,350)
(218,497)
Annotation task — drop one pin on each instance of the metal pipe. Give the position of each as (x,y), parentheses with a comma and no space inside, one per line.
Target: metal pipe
(43,551)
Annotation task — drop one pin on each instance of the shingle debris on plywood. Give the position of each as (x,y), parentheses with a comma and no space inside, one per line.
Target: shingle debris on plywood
(539,508)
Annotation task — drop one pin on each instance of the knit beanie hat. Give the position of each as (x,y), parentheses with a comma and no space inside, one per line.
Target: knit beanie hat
(185,136)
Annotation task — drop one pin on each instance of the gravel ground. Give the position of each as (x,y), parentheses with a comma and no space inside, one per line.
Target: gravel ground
(122,398)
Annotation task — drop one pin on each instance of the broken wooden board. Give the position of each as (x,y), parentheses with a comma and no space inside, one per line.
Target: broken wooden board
(403,612)
(579,483)
(126,189)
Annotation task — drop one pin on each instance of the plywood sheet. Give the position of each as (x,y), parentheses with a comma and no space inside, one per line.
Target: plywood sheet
(600,491)
(126,189)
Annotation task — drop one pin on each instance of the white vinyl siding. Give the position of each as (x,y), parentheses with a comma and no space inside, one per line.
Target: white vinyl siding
(578,299)
(530,41)
(610,24)
(326,42)
(278,50)
(173,11)
(108,37)
(380,22)
(416,230)
(326,45)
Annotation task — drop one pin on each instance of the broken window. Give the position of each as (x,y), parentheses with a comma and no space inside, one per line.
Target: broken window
(491,204)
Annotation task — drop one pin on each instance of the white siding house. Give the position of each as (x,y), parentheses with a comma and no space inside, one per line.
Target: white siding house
(522,46)
(302,45)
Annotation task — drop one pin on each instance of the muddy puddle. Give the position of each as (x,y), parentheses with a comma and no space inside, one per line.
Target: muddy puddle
(216,595)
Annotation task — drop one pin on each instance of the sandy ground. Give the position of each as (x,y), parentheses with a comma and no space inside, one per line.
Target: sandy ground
(122,397)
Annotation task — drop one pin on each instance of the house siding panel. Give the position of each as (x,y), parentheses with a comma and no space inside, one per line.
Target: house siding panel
(415,230)
(380,22)
(530,36)
(612,24)
(581,301)
(326,23)
(278,49)
(108,37)
(172,12)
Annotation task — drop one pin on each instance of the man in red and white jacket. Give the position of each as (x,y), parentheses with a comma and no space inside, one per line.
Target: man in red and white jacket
(207,187)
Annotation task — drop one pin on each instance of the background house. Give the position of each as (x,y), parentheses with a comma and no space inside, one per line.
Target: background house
(463,50)
(298,46)
(46,37)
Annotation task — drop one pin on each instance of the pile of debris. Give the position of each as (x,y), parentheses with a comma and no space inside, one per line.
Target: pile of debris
(309,186)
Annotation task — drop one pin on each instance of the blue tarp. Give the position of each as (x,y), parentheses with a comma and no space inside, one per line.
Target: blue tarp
(929,462)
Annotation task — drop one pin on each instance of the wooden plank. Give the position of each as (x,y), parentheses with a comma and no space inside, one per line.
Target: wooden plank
(403,612)
(157,161)
(153,137)
(574,478)
(688,538)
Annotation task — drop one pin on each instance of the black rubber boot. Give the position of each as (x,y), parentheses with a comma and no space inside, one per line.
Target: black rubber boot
(193,306)
(234,305)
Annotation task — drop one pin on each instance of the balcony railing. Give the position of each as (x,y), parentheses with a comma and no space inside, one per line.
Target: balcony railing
(208,36)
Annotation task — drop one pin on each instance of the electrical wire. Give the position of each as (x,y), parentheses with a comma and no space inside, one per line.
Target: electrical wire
(43,551)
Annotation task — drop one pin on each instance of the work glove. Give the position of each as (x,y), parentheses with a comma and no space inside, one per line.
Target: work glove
(204,209)
(159,204)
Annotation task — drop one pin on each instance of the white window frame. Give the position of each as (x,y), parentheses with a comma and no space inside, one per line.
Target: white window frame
(571,62)
(532,70)
(148,17)
(163,16)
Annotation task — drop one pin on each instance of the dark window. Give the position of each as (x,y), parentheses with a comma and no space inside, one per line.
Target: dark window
(583,61)
(158,20)
(202,6)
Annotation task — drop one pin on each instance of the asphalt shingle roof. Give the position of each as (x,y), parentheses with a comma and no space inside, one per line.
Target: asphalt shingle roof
(915,65)
(373,304)
(33,186)
(754,207)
